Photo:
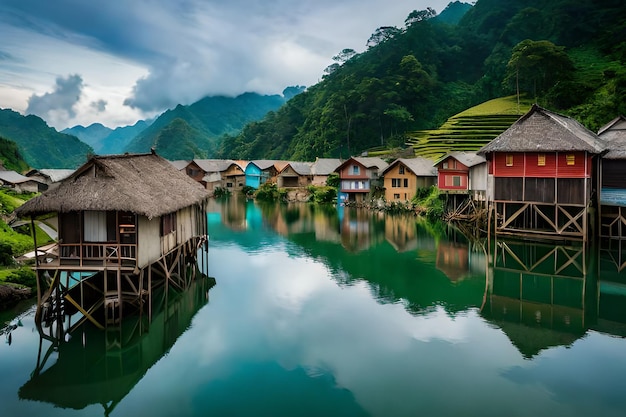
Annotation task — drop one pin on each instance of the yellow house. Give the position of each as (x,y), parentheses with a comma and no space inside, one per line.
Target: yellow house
(404,176)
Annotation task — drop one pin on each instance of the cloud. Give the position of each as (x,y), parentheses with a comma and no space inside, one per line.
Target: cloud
(99,106)
(59,104)
(145,56)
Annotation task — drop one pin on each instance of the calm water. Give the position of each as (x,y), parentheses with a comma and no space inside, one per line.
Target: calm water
(344,313)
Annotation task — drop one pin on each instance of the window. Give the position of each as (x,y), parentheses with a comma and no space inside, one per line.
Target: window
(355,170)
(168,223)
(570,159)
(406,182)
(395,182)
(401,169)
(541,160)
(509,160)
(445,165)
(229,185)
(456,181)
(396,196)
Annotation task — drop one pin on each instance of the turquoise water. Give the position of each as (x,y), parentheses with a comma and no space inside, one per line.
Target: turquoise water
(326,312)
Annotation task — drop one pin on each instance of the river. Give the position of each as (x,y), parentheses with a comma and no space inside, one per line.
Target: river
(340,312)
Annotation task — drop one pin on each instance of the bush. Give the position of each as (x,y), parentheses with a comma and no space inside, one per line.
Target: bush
(221,192)
(323,195)
(270,192)
(248,191)
(23,276)
(6,254)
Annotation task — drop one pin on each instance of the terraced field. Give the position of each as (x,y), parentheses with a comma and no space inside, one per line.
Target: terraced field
(470,129)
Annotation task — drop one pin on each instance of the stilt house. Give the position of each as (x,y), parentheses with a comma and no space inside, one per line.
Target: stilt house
(542,169)
(613,180)
(131,219)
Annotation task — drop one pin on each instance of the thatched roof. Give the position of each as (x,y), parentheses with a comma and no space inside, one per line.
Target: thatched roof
(421,167)
(145,184)
(614,136)
(541,130)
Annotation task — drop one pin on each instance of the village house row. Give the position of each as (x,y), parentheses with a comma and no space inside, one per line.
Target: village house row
(546,175)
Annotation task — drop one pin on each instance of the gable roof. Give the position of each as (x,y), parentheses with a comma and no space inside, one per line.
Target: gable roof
(12,177)
(614,136)
(145,184)
(368,162)
(469,159)
(421,167)
(541,130)
(325,166)
(300,168)
(54,175)
(180,164)
(214,165)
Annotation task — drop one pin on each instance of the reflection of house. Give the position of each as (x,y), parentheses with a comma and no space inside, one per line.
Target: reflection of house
(50,177)
(295,174)
(403,177)
(613,180)
(105,371)
(453,260)
(131,218)
(322,168)
(537,295)
(359,176)
(19,183)
(542,176)
(401,232)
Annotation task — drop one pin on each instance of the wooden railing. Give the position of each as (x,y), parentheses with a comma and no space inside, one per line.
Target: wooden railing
(97,253)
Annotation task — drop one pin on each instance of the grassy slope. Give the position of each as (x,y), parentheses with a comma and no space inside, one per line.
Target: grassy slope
(471,129)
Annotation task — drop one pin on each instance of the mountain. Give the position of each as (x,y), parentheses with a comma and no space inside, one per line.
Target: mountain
(40,145)
(566,55)
(193,131)
(10,158)
(106,141)
(453,13)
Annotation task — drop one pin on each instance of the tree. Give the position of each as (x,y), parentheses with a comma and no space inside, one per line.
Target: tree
(382,34)
(344,56)
(419,16)
(536,66)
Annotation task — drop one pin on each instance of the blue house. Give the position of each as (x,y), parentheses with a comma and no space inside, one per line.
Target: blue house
(260,171)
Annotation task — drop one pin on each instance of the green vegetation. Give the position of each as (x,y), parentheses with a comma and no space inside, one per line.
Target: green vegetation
(10,156)
(270,192)
(323,194)
(469,130)
(188,132)
(40,145)
(565,55)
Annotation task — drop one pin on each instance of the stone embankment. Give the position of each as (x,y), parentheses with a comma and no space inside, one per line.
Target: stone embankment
(11,295)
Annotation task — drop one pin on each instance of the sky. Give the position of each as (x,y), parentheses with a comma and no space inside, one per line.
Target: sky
(78,62)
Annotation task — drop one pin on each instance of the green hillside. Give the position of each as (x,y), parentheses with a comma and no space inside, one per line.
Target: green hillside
(202,124)
(470,129)
(10,157)
(565,55)
(40,145)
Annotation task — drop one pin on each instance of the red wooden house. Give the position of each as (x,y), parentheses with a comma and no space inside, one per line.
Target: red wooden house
(542,169)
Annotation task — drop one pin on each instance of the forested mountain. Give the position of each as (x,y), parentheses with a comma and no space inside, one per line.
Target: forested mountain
(193,131)
(105,140)
(42,146)
(10,158)
(567,55)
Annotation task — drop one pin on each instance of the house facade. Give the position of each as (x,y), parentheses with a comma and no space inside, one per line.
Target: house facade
(259,172)
(359,176)
(612,188)
(404,176)
(542,171)
(20,183)
(295,175)
(322,168)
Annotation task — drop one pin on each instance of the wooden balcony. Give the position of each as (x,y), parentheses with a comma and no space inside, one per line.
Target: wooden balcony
(89,255)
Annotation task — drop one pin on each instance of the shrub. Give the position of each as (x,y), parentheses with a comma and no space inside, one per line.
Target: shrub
(23,276)
(323,195)
(248,190)
(221,192)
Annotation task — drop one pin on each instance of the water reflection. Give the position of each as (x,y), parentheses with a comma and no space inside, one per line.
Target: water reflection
(102,367)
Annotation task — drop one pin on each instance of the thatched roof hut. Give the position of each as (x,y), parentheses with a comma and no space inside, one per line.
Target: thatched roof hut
(144,184)
(541,130)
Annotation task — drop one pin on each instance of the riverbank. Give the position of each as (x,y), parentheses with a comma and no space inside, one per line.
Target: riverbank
(10,295)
